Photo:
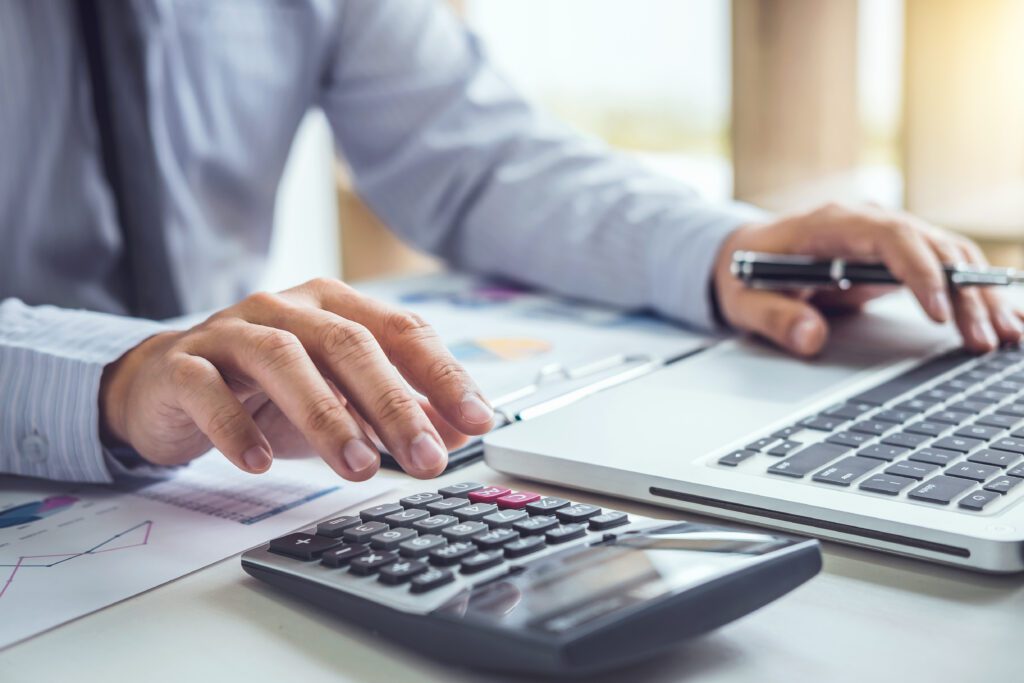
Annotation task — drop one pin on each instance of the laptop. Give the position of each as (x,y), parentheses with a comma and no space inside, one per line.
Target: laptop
(892,439)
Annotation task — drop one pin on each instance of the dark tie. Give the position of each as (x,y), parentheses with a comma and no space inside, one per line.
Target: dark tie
(114,49)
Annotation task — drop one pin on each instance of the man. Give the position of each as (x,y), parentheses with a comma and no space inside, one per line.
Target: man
(142,144)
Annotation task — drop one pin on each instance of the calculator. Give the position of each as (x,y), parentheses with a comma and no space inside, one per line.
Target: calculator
(512,581)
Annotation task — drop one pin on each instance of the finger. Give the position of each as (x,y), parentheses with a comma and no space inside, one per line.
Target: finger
(912,260)
(451,436)
(206,399)
(1004,319)
(277,361)
(850,299)
(793,325)
(969,308)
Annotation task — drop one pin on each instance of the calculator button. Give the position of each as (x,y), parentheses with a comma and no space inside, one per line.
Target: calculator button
(446,506)
(469,513)
(488,495)
(504,518)
(302,546)
(420,500)
(421,546)
(367,564)
(940,489)
(406,517)
(578,512)
(378,512)
(978,500)
(460,490)
(363,532)
(565,533)
(463,531)
(608,520)
(1002,484)
(495,538)
(524,546)
(434,524)
(333,528)
(340,556)
(537,524)
(431,579)
(485,559)
(517,500)
(401,572)
(546,505)
(389,540)
(451,554)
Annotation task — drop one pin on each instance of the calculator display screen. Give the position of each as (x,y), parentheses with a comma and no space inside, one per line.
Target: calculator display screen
(574,588)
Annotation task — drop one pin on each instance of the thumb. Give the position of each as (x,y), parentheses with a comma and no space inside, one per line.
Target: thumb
(792,324)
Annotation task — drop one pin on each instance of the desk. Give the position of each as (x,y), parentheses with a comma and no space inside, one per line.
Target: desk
(866,617)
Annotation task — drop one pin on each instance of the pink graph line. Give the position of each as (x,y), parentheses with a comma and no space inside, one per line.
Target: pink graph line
(95,550)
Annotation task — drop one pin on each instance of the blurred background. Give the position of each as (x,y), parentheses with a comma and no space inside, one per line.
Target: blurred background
(916,104)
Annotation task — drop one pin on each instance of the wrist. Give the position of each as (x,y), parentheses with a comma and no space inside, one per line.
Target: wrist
(115,391)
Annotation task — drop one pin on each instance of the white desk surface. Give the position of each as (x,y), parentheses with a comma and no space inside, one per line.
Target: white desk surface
(866,617)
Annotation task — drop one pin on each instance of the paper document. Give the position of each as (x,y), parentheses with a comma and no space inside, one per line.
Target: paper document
(69,549)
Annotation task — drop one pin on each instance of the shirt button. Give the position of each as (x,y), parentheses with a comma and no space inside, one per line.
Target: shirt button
(35,448)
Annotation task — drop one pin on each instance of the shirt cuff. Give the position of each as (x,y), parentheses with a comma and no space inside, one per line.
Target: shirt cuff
(683,260)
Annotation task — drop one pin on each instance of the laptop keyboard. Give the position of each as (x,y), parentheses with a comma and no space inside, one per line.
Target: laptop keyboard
(948,432)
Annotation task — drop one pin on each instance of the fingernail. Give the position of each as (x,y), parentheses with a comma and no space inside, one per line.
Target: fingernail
(358,455)
(475,411)
(802,334)
(984,333)
(938,302)
(256,459)
(426,453)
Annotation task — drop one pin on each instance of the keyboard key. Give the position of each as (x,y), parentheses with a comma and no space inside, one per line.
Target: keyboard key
(761,444)
(431,579)
(846,470)
(989,456)
(463,531)
(420,500)
(940,489)
(808,460)
(1017,471)
(608,520)
(333,528)
(546,505)
(822,423)
(788,432)
(452,553)
(904,439)
(949,417)
(421,546)
(958,443)
(517,500)
(912,469)
(406,518)
(927,428)
(973,407)
(784,447)
(1002,484)
(936,395)
(524,546)
(880,451)
(485,559)
(915,405)
(565,533)
(389,540)
(978,500)
(734,458)
(851,439)
(894,416)
(910,380)
(340,556)
(371,562)
(434,523)
(886,483)
(302,546)
(446,505)
(849,411)
(488,495)
(873,427)
(401,572)
(495,538)
(986,396)
(1013,445)
(460,490)
(535,525)
(1014,409)
(363,532)
(997,420)
(976,431)
(1006,386)
(972,470)
(504,518)
(956,385)
(378,512)
(936,456)
(476,511)
(578,512)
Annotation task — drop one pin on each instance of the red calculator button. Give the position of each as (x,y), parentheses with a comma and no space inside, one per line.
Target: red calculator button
(488,494)
(517,500)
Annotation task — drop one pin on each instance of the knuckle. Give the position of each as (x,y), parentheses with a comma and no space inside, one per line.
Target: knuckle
(403,327)
(444,371)
(187,372)
(323,414)
(263,300)
(347,341)
(225,422)
(393,404)
(278,349)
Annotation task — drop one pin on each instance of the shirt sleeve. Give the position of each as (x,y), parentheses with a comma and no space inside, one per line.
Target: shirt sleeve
(458,164)
(51,362)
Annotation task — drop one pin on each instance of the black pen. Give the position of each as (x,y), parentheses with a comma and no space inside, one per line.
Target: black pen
(784,271)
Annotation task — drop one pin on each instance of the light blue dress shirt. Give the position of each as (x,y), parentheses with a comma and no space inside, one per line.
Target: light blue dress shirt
(450,156)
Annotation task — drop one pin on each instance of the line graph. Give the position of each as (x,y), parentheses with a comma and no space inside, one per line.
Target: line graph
(144,529)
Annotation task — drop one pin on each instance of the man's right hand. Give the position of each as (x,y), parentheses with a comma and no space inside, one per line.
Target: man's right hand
(318,367)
